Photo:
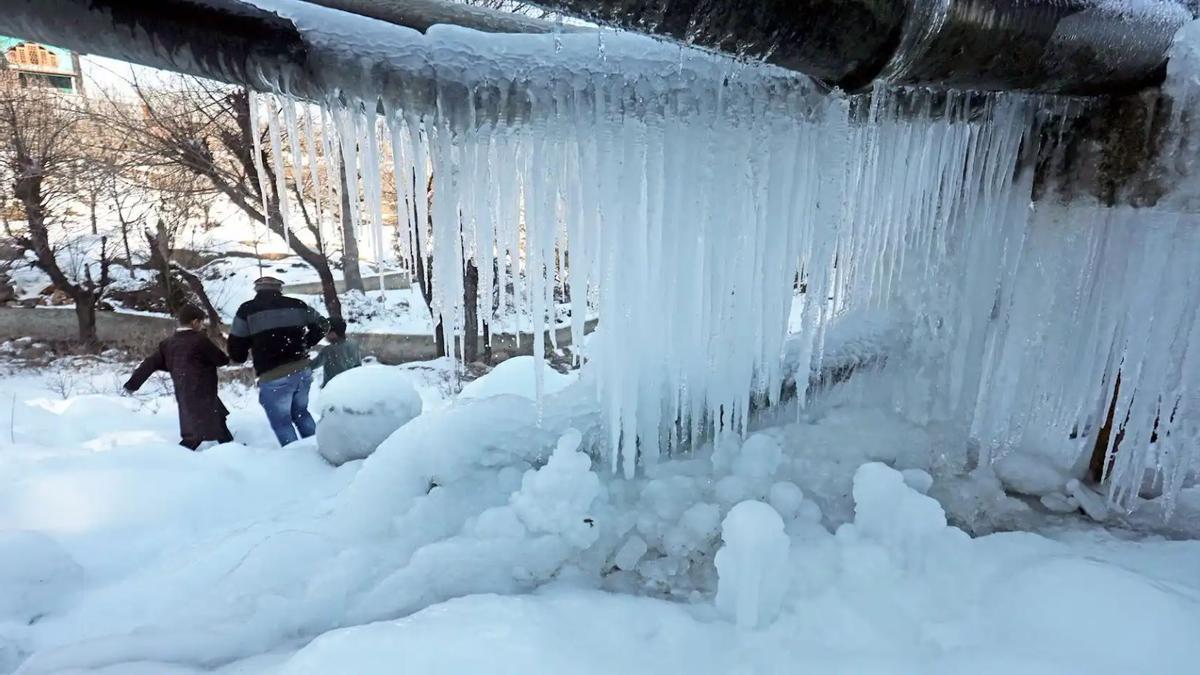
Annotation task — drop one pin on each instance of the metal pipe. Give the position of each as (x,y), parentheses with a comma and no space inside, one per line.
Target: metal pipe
(421,14)
(1051,46)
(1055,46)
(226,40)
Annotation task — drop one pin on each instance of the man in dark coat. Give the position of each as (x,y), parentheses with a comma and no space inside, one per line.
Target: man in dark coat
(192,361)
(278,332)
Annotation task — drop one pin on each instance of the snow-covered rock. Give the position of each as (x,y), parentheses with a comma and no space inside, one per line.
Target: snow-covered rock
(362,407)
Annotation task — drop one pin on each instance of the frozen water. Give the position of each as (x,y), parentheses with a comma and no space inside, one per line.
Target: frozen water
(362,407)
(598,164)
(752,566)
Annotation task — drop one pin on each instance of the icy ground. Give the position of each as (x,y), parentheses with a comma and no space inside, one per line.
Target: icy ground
(458,548)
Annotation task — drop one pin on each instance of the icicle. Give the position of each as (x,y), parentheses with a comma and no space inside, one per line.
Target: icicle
(293,136)
(256,138)
(314,171)
(280,167)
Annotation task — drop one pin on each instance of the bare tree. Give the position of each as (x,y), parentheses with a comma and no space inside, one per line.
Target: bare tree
(205,130)
(40,148)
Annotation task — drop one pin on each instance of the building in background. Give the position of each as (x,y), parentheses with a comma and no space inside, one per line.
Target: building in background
(36,64)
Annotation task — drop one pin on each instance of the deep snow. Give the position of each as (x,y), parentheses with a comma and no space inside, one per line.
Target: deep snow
(473,542)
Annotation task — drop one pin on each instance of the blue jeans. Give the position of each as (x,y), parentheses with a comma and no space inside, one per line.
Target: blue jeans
(286,403)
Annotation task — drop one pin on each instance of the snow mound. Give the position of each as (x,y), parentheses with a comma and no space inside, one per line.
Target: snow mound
(517,376)
(361,408)
(752,565)
(36,575)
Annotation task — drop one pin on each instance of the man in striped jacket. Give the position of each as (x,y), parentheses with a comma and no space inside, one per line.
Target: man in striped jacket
(278,332)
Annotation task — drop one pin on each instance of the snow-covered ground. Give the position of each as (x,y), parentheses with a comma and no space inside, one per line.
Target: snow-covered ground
(476,540)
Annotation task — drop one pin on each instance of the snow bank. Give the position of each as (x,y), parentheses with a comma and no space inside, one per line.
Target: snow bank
(362,407)
(229,559)
(518,376)
(36,576)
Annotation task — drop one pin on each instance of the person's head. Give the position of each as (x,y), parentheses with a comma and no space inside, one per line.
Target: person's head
(268,285)
(191,316)
(337,329)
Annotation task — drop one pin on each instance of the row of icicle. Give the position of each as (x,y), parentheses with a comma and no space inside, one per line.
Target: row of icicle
(686,225)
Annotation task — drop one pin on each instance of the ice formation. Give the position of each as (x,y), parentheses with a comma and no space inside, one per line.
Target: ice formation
(752,566)
(685,198)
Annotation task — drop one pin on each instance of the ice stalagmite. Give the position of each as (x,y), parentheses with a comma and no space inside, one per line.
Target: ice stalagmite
(690,201)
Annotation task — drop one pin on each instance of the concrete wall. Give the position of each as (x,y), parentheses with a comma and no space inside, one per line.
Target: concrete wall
(139,332)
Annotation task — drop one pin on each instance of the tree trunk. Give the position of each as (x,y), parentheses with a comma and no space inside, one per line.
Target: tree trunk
(125,240)
(471,313)
(85,313)
(159,252)
(351,271)
(333,304)
(197,288)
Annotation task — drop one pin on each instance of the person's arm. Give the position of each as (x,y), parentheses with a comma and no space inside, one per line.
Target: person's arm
(319,362)
(239,338)
(316,328)
(152,364)
(212,354)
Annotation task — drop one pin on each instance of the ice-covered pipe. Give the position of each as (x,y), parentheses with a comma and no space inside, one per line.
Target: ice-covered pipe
(226,40)
(1055,46)
(1061,46)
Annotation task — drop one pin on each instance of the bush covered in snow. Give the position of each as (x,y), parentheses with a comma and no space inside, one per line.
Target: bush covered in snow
(362,407)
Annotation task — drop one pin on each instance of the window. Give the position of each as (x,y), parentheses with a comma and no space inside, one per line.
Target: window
(29,54)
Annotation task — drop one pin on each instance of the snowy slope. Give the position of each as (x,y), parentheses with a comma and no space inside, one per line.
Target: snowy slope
(134,556)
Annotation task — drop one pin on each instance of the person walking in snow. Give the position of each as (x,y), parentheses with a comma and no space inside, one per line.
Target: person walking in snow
(278,332)
(340,355)
(192,361)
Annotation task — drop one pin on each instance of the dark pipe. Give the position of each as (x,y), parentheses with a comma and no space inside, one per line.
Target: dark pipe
(1057,46)
(836,41)
(225,40)
(1052,46)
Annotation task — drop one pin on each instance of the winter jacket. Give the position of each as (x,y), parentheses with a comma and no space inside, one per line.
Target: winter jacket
(192,360)
(276,331)
(337,358)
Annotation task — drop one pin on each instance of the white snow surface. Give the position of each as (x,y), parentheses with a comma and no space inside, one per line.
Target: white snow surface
(518,376)
(482,538)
